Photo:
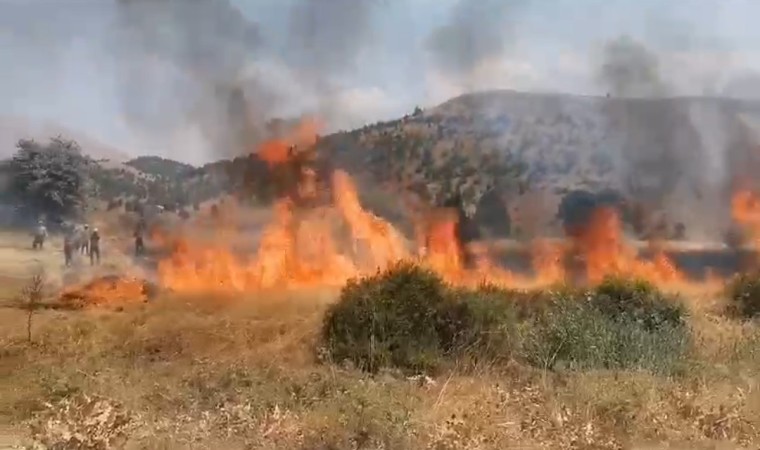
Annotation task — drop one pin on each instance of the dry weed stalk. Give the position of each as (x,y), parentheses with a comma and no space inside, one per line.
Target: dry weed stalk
(31,299)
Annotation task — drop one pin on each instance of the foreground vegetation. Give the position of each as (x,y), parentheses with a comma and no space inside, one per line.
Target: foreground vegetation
(408,318)
(400,360)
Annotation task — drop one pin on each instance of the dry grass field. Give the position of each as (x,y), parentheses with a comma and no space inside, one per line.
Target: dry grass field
(249,373)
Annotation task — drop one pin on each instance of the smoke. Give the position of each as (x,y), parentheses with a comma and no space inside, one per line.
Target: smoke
(326,36)
(629,69)
(180,64)
(476,32)
(201,79)
(746,86)
(231,81)
(675,154)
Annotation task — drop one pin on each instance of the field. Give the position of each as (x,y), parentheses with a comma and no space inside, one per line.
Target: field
(250,372)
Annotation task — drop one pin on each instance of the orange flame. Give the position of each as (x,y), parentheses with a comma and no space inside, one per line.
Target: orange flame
(606,252)
(301,247)
(109,290)
(441,249)
(278,151)
(381,242)
(745,209)
(548,262)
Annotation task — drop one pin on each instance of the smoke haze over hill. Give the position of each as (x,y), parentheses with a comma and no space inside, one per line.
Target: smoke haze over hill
(204,83)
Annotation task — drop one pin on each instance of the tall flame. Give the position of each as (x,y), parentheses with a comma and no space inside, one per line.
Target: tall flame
(302,247)
(606,253)
(745,208)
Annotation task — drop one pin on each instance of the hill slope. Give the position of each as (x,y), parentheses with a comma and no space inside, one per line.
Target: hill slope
(510,159)
(678,157)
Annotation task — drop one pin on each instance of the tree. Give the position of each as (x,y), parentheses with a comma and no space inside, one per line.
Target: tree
(52,180)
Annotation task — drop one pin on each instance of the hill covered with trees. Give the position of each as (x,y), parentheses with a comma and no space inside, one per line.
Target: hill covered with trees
(517,164)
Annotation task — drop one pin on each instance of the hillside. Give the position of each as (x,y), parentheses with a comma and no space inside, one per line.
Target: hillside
(509,159)
(679,158)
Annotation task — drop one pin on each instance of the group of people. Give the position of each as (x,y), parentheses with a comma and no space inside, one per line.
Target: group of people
(84,241)
(79,239)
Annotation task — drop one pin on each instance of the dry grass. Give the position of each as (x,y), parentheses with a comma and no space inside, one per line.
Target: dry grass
(245,373)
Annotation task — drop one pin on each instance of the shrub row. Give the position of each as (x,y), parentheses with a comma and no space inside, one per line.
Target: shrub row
(407,317)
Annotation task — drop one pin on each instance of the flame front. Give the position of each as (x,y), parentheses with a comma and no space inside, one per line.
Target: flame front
(110,290)
(745,209)
(606,253)
(375,242)
(304,247)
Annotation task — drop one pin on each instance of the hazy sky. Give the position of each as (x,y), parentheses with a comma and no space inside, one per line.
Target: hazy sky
(351,61)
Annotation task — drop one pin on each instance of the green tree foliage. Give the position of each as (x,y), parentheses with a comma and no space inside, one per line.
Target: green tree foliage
(51,180)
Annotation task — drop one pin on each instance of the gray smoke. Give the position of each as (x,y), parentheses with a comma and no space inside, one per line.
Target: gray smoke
(630,69)
(217,56)
(745,87)
(326,36)
(181,65)
(675,153)
(477,31)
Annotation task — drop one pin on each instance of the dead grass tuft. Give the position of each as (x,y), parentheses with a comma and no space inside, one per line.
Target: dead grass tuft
(82,422)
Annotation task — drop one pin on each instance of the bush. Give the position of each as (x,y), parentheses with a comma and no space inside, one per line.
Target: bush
(408,318)
(637,301)
(625,325)
(388,320)
(743,293)
(480,324)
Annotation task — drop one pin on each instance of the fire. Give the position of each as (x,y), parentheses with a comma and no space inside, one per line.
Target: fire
(290,255)
(299,249)
(548,261)
(443,252)
(109,290)
(602,245)
(440,243)
(279,150)
(745,208)
(381,242)
(304,247)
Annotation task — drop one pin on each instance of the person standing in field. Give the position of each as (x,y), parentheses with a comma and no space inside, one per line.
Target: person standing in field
(139,243)
(84,240)
(68,248)
(94,247)
(40,233)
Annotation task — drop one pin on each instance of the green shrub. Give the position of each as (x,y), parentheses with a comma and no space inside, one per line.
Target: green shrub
(390,319)
(743,293)
(480,324)
(624,325)
(407,317)
(639,301)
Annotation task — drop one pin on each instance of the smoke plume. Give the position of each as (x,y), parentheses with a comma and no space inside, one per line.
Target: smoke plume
(189,55)
(326,36)
(630,69)
(477,31)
